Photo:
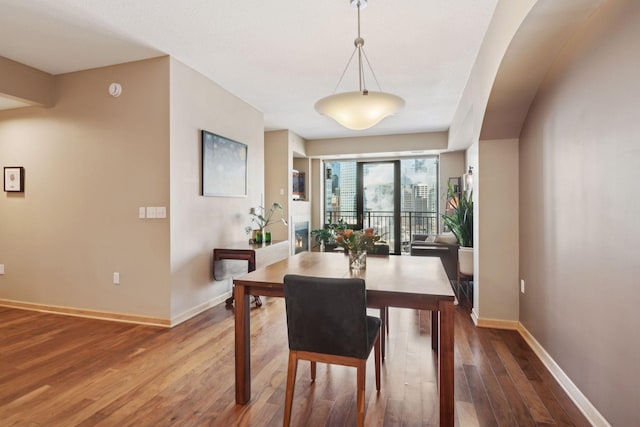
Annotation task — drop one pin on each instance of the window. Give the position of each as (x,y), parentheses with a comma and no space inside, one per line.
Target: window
(363,194)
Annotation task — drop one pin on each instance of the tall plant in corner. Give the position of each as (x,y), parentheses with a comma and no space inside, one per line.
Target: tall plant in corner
(460,221)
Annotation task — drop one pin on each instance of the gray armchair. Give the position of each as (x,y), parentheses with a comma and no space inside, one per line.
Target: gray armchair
(447,252)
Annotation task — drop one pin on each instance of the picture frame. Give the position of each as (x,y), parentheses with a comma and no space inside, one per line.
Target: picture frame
(224,166)
(14,179)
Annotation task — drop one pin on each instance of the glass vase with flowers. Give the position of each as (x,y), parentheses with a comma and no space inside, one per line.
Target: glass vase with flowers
(356,244)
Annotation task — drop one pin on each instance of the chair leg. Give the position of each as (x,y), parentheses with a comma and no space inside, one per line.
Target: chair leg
(376,355)
(313,371)
(361,375)
(291,382)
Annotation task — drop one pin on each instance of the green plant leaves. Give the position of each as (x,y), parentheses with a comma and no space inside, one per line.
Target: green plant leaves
(460,222)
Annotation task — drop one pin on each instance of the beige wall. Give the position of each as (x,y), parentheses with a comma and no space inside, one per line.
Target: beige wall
(496,196)
(90,163)
(472,159)
(27,84)
(278,159)
(317,201)
(280,147)
(378,145)
(579,225)
(451,165)
(467,120)
(198,223)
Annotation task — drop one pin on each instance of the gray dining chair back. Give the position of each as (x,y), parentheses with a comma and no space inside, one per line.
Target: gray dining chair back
(326,315)
(327,322)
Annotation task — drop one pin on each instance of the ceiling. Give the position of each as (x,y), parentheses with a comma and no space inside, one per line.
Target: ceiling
(280,56)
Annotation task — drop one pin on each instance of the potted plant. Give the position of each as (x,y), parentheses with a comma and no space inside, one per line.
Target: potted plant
(460,222)
(262,219)
(326,237)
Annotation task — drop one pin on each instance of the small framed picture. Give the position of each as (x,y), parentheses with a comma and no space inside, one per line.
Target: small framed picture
(14,179)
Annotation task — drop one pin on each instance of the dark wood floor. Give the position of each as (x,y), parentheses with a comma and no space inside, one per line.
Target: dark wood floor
(65,371)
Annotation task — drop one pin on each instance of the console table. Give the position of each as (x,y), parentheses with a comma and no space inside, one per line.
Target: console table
(256,254)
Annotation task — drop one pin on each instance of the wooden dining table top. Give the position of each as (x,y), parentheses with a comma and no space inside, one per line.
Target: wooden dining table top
(420,276)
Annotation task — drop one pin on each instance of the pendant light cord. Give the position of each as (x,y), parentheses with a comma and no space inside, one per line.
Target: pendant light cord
(359,43)
(345,70)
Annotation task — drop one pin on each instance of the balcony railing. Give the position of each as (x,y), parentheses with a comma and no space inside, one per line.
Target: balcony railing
(383,223)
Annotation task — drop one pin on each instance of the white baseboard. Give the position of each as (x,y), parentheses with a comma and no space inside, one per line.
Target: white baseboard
(581,401)
(474,316)
(199,309)
(118,317)
(511,325)
(89,314)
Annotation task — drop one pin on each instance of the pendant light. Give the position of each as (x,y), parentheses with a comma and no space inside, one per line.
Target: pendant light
(361,109)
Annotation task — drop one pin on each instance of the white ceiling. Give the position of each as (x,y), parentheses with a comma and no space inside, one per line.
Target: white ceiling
(280,56)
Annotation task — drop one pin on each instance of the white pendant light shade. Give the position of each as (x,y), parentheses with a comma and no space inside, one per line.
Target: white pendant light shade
(359,111)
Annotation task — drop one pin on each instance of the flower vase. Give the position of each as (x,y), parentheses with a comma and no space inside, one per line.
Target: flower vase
(259,237)
(358,259)
(267,237)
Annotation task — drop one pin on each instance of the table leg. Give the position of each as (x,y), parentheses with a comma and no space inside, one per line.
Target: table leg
(383,338)
(243,355)
(446,355)
(434,330)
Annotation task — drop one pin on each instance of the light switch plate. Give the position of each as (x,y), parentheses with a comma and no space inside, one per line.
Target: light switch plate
(142,213)
(1,268)
(151,212)
(161,212)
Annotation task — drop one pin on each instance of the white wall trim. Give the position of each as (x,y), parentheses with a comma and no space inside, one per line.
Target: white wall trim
(511,325)
(86,313)
(194,311)
(581,401)
(474,316)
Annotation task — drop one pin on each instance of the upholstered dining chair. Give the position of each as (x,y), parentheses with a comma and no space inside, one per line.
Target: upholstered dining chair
(327,322)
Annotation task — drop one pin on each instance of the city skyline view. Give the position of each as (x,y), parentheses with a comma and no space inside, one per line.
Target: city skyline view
(418,196)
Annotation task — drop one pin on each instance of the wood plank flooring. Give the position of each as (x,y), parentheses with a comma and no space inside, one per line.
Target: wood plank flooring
(66,371)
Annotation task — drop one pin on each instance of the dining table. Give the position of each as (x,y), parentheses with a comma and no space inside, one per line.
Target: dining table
(396,281)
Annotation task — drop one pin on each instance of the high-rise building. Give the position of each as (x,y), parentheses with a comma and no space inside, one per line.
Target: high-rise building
(421,197)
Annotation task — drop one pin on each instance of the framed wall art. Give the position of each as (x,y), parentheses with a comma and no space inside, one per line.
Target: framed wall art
(224,166)
(14,179)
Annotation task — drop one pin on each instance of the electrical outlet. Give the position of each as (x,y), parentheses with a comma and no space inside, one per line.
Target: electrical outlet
(522,285)
(116,278)
(1,268)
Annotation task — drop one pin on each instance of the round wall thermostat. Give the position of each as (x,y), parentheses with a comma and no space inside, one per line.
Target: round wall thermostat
(115,89)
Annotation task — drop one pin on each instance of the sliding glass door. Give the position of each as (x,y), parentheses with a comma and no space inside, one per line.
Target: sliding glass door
(378,200)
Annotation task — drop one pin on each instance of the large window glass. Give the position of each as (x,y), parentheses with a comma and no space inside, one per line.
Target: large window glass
(377,188)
